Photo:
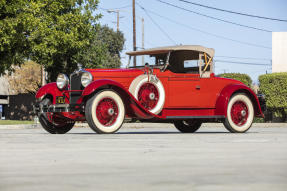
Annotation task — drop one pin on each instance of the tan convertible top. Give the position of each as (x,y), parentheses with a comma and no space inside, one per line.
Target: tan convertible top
(166,49)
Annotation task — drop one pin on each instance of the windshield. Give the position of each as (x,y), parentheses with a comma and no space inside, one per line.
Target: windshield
(151,60)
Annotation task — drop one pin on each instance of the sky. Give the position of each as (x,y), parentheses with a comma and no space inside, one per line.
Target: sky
(165,25)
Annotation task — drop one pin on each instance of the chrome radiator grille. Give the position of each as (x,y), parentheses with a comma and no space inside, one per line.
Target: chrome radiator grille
(75,84)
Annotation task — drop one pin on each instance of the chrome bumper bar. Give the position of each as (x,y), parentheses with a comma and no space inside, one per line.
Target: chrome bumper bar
(57,108)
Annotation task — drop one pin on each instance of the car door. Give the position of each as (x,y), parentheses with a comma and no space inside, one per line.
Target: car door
(192,91)
(183,90)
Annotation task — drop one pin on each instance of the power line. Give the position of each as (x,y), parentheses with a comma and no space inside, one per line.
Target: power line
(211,17)
(165,33)
(202,31)
(146,41)
(246,58)
(244,63)
(105,9)
(234,12)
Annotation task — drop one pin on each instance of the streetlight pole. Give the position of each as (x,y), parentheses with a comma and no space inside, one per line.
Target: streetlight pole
(118,17)
(118,20)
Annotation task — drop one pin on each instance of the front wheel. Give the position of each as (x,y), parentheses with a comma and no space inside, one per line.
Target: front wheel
(52,123)
(189,126)
(240,114)
(105,112)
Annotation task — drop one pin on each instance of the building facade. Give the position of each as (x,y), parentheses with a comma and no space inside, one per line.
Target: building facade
(4,96)
(279,52)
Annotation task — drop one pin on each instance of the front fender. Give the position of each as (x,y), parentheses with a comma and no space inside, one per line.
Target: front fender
(228,91)
(49,89)
(133,107)
(103,83)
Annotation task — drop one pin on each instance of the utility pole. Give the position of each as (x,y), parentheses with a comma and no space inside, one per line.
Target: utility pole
(134,31)
(143,39)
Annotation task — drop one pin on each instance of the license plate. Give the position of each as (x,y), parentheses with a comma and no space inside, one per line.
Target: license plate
(60,99)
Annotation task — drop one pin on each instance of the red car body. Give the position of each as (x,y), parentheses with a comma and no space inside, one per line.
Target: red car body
(187,96)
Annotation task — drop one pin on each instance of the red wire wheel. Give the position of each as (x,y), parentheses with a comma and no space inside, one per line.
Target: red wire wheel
(148,95)
(107,111)
(239,113)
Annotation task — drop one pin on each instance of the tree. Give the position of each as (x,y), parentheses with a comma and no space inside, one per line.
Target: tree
(13,43)
(105,49)
(25,79)
(49,32)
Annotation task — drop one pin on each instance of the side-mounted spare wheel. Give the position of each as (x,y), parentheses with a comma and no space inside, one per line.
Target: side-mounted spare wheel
(149,91)
(240,113)
(105,112)
(52,123)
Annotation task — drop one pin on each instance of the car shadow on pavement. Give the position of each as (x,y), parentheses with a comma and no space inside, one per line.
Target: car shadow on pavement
(152,132)
(162,132)
(119,133)
(123,133)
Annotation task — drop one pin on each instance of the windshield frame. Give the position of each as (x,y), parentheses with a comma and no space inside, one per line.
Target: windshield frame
(162,66)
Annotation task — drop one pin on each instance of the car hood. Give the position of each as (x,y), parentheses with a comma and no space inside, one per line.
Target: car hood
(115,72)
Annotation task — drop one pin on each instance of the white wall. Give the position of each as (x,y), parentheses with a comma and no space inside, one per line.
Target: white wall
(279,52)
(4,90)
(4,86)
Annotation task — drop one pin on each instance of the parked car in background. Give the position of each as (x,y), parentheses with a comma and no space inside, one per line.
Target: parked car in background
(168,84)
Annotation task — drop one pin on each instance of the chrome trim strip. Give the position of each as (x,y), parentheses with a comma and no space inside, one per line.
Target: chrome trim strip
(196,117)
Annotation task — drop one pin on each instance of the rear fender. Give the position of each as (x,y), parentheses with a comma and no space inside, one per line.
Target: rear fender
(226,94)
(133,107)
(51,90)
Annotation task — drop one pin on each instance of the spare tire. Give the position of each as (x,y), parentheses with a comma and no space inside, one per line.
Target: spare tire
(149,91)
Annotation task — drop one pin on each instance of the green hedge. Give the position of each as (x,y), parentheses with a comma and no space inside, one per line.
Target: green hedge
(244,78)
(274,87)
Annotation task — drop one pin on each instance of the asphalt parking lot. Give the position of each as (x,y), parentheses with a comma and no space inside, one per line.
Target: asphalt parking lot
(144,157)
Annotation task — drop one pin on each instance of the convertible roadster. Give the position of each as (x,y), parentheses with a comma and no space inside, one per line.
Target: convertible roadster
(169,85)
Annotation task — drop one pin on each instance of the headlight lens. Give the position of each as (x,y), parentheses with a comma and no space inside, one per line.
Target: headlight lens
(86,78)
(62,81)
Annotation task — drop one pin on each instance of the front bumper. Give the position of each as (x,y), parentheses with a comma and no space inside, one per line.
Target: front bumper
(57,108)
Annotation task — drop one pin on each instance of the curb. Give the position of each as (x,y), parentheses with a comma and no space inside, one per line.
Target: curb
(26,126)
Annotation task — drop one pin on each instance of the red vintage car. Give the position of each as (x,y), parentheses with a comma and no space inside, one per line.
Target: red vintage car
(168,85)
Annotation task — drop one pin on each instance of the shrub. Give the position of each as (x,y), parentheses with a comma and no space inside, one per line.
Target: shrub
(274,87)
(244,78)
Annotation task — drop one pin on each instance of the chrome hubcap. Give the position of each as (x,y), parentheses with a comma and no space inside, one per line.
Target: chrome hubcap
(111,111)
(243,113)
(151,96)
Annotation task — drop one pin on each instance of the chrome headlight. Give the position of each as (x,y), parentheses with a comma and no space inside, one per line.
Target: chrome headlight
(86,78)
(62,81)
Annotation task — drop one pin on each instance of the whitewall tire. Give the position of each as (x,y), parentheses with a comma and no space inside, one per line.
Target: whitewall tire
(105,112)
(240,114)
(149,91)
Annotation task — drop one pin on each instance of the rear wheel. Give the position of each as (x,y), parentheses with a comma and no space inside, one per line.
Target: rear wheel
(105,112)
(240,114)
(187,126)
(52,123)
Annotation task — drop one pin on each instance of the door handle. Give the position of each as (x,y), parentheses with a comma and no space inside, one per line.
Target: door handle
(197,87)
